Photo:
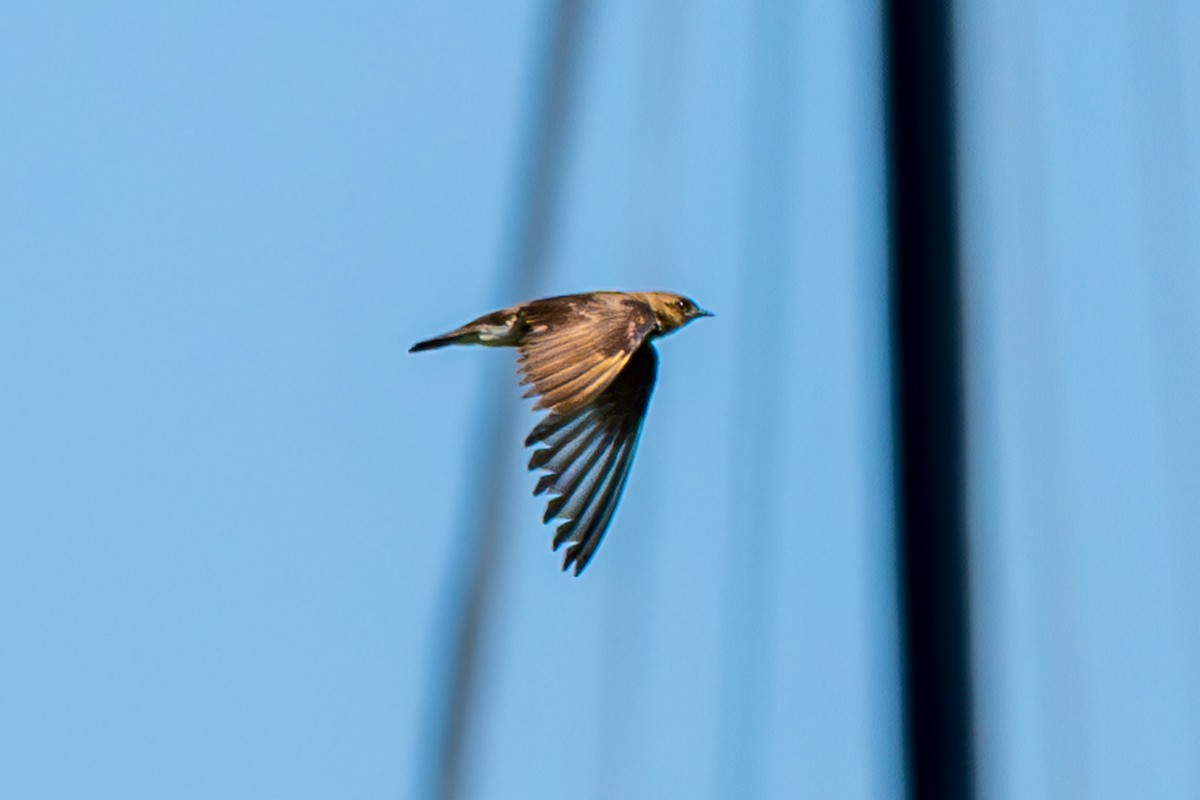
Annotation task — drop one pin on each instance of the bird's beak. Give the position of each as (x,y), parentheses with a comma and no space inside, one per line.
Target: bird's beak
(700,312)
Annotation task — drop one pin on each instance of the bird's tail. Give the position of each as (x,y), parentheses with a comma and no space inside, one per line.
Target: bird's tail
(454,337)
(498,329)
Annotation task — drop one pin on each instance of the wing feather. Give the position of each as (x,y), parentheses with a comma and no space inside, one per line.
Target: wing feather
(575,346)
(602,511)
(587,454)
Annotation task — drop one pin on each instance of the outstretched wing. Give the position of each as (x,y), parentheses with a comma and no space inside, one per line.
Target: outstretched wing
(575,346)
(587,454)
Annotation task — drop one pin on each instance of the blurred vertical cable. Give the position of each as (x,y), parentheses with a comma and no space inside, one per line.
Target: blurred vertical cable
(750,584)
(471,579)
(1055,531)
(625,756)
(1168,185)
(928,399)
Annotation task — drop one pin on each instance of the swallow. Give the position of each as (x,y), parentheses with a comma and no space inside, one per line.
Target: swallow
(589,360)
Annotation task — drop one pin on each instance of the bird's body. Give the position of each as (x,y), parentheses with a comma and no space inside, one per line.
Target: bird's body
(588,359)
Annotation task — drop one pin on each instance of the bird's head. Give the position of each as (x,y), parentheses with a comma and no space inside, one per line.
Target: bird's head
(672,311)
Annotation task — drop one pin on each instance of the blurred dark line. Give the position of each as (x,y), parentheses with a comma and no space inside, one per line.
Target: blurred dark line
(542,161)
(470,586)
(625,751)
(754,528)
(928,399)
(1056,540)
(1168,230)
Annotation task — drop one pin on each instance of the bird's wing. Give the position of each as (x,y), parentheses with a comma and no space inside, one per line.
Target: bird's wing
(573,347)
(587,455)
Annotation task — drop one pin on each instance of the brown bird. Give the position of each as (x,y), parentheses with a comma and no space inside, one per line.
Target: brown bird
(589,360)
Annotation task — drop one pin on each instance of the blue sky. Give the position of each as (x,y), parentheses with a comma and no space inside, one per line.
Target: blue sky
(230,501)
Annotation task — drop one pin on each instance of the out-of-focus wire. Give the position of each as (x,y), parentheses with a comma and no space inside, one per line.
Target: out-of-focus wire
(927,376)
(750,585)
(471,580)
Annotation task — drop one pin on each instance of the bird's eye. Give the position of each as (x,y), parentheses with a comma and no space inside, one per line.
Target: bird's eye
(681,305)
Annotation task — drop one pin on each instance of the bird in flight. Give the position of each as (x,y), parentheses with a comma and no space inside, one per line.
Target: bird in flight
(589,360)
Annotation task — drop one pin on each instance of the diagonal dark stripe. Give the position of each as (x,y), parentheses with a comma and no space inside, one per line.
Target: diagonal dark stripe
(470,585)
